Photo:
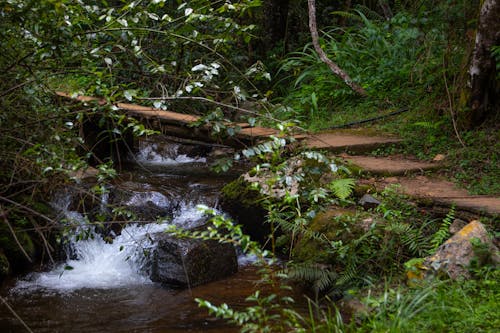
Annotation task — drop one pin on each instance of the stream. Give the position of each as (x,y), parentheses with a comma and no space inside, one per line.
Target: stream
(104,287)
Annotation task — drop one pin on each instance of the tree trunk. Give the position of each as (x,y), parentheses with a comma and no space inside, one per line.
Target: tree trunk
(484,99)
(322,55)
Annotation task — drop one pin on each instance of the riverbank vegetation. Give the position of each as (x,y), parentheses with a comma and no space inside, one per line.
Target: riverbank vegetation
(253,60)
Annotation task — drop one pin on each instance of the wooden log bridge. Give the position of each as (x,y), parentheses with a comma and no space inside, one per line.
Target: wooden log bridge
(181,125)
(381,171)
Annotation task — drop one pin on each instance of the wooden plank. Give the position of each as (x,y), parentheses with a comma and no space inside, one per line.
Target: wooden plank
(257,132)
(173,123)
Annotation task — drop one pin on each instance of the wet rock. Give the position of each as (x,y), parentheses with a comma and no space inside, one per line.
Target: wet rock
(146,205)
(191,262)
(456,255)
(368,202)
(194,150)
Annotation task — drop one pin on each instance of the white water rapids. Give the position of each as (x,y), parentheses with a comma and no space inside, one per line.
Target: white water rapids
(108,286)
(150,154)
(103,265)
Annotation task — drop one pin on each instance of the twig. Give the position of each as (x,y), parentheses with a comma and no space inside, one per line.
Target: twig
(452,113)
(16,315)
(4,215)
(44,239)
(27,209)
(204,99)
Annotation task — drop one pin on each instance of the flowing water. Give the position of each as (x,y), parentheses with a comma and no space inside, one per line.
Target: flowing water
(104,287)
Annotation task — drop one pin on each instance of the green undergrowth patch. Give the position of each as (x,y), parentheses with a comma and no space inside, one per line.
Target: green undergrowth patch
(415,60)
(471,159)
(438,306)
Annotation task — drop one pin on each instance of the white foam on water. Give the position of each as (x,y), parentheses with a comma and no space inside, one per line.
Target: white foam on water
(190,216)
(141,198)
(247,259)
(149,155)
(100,264)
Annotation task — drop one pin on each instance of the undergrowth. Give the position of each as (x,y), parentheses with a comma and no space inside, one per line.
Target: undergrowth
(418,60)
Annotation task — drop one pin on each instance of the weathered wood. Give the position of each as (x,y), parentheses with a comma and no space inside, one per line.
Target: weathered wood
(178,124)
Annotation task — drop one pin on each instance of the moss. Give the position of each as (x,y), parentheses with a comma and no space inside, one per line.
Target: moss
(240,191)
(362,189)
(335,224)
(244,204)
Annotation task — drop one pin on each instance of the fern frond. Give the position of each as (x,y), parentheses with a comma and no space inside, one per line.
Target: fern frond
(348,275)
(367,14)
(345,14)
(342,188)
(443,233)
(320,277)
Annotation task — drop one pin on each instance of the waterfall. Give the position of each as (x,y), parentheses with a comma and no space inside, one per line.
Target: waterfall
(102,265)
(98,263)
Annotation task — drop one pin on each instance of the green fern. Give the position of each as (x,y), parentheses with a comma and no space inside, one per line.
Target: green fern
(349,274)
(320,277)
(443,233)
(366,14)
(342,188)
(412,238)
(346,14)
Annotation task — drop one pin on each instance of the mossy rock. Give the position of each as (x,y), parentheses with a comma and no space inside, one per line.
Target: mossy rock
(240,191)
(244,205)
(336,224)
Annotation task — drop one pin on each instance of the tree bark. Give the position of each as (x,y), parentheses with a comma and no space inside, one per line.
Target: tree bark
(484,99)
(322,55)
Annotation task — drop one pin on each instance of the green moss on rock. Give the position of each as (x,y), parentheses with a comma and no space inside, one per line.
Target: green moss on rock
(244,205)
(335,224)
(241,192)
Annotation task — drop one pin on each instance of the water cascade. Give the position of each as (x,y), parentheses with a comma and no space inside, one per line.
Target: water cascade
(100,275)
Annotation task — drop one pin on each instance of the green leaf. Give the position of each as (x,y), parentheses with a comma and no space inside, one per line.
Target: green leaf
(342,188)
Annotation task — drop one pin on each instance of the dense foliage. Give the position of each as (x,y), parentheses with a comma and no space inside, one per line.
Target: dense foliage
(115,49)
(406,54)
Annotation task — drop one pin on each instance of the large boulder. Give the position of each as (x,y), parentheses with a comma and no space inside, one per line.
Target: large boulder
(191,262)
(455,256)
